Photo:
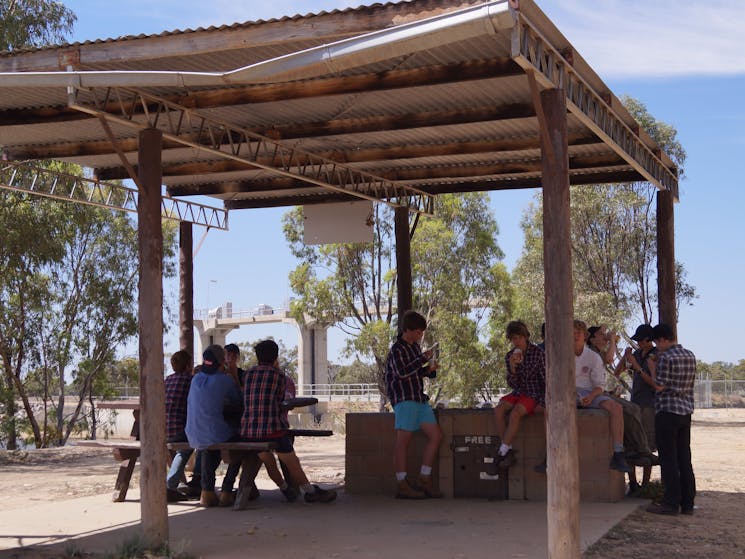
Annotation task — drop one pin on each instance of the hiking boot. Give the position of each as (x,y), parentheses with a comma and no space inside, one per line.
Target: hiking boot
(407,491)
(427,486)
(227,498)
(662,508)
(320,495)
(618,462)
(208,499)
(507,461)
(174,496)
(291,493)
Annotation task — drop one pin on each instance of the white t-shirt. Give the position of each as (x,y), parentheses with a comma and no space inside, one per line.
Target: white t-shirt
(589,370)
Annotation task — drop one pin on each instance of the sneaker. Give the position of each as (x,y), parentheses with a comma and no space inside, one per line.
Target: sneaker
(227,498)
(407,491)
(507,461)
(618,462)
(634,490)
(662,508)
(426,484)
(291,493)
(320,495)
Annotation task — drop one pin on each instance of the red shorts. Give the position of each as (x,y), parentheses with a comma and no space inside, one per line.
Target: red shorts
(526,401)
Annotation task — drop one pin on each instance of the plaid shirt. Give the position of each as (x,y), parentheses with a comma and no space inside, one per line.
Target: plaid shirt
(676,371)
(177,392)
(404,372)
(529,378)
(263,393)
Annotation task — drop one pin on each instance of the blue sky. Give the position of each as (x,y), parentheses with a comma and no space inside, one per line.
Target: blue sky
(683,59)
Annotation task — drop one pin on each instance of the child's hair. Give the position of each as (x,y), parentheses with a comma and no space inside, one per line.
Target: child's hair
(580,326)
(181,361)
(412,320)
(267,352)
(517,328)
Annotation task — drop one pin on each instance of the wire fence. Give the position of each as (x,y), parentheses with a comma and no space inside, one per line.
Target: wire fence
(720,393)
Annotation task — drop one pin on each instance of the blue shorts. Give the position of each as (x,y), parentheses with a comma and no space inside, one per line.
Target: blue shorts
(411,415)
(599,399)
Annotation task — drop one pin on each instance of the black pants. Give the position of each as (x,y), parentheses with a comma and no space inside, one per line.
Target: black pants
(673,433)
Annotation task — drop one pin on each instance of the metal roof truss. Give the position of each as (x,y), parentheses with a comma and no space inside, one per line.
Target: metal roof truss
(180,124)
(23,177)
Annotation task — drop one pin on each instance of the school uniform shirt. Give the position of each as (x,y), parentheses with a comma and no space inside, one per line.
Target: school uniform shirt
(263,394)
(676,371)
(404,372)
(589,370)
(177,391)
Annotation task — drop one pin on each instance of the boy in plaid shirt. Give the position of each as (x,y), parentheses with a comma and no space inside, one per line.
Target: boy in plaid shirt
(263,418)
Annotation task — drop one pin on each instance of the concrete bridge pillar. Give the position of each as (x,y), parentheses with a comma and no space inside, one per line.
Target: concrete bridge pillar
(210,333)
(312,355)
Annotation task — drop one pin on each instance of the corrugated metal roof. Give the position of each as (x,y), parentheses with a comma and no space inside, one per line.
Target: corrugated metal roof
(455,116)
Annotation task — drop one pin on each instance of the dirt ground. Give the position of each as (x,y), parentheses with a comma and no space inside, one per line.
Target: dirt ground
(714,531)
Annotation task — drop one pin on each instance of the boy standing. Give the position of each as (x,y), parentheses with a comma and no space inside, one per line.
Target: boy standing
(405,368)
(674,373)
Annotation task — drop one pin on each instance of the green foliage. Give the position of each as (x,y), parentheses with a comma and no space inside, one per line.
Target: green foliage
(136,548)
(614,249)
(287,356)
(454,281)
(33,23)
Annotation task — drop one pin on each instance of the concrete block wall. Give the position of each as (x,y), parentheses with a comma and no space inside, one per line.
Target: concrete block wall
(369,454)
(370,439)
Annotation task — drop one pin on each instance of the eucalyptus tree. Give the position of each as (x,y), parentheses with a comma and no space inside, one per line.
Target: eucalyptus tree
(614,247)
(454,274)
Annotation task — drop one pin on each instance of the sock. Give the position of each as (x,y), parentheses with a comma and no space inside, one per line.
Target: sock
(426,470)
(308,488)
(504,449)
(617,447)
(400,476)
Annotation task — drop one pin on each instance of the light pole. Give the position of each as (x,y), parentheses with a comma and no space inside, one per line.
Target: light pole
(210,282)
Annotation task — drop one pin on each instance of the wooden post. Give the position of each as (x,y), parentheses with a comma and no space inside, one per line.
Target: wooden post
(186,288)
(666,260)
(153,460)
(561,430)
(403,263)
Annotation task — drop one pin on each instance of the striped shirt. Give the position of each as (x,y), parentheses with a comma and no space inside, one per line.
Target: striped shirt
(177,391)
(529,378)
(263,393)
(676,371)
(403,373)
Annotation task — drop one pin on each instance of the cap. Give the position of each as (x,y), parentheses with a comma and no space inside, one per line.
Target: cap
(643,332)
(214,355)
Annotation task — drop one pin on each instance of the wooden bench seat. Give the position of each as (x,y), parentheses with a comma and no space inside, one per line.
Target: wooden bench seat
(247,453)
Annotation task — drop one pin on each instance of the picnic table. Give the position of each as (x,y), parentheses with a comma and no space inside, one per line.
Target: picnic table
(127,452)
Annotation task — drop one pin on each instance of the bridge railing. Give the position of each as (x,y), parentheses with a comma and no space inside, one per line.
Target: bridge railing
(341,392)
